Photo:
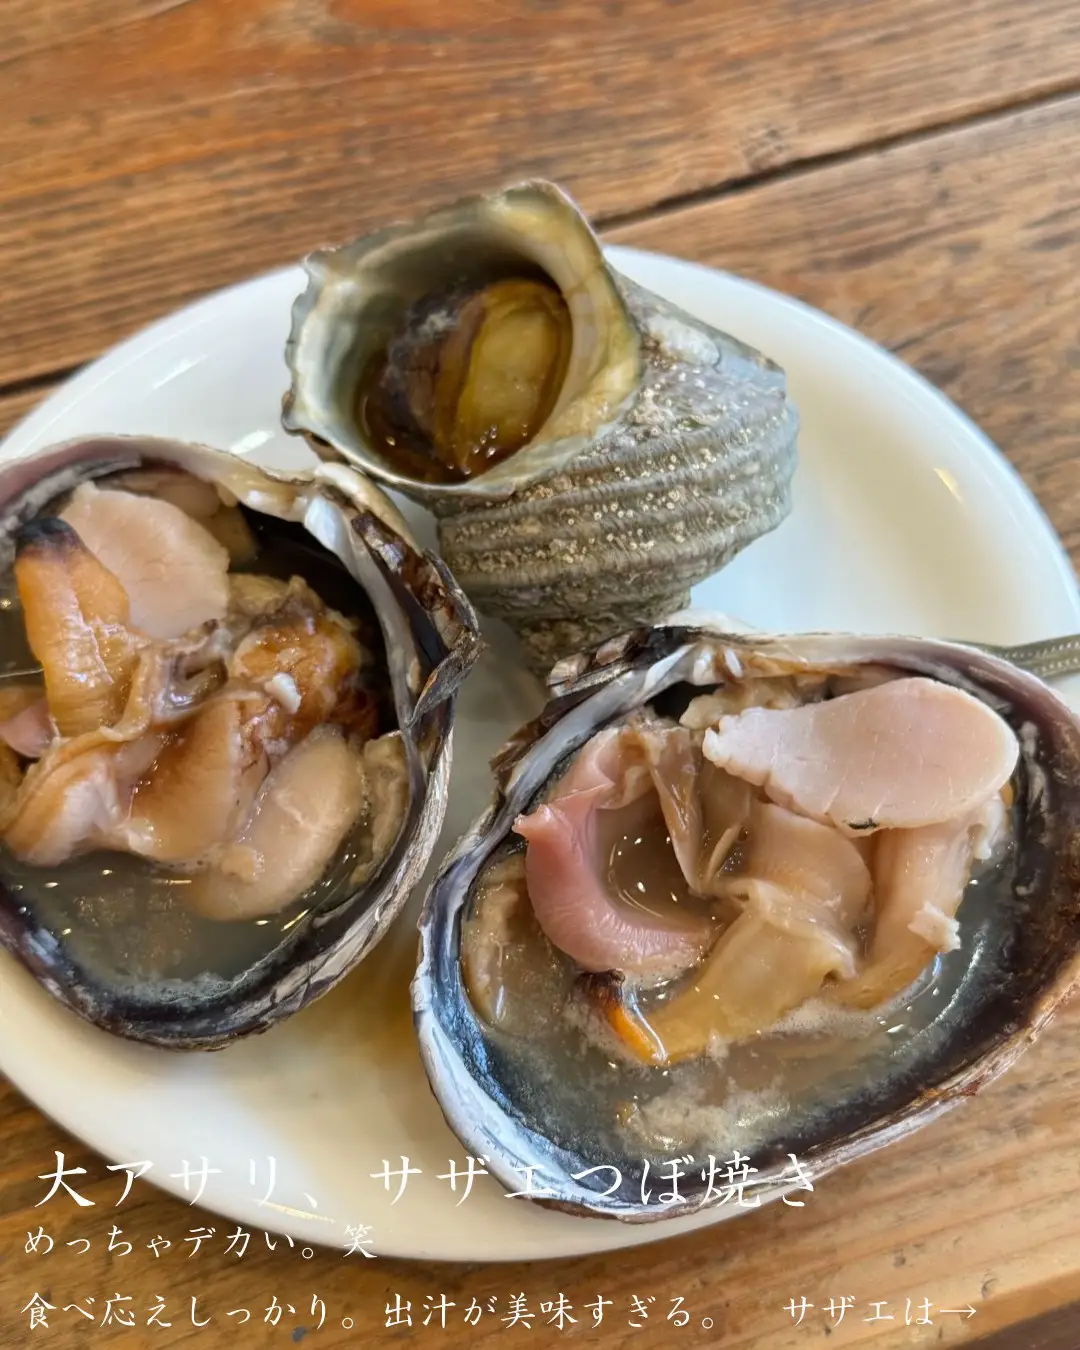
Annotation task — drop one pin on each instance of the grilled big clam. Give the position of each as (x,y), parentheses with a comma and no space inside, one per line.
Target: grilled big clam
(231,768)
(746,908)
(591,452)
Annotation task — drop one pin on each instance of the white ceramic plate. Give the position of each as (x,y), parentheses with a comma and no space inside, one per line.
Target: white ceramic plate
(906,519)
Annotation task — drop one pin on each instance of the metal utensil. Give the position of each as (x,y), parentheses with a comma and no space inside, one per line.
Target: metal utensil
(1049,659)
(24,673)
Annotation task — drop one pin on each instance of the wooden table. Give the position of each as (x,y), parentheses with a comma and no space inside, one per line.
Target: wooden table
(910,166)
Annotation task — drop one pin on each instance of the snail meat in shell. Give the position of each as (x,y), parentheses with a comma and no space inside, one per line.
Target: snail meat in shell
(590,451)
(754,895)
(215,797)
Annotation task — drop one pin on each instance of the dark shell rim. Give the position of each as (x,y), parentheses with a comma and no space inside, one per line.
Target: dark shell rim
(572,684)
(446,638)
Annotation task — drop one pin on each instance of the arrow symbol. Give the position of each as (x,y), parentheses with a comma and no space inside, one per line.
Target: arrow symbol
(969,1311)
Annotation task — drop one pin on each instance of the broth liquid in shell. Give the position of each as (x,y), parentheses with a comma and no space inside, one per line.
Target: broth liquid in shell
(123,917)
(772,1093)
(551,1048)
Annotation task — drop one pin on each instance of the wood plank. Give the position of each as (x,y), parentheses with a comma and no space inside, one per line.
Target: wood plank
(15,406)
(156,149)
(978,1210)
(1053,1331)
(957,253)
(954,252)
(951,252)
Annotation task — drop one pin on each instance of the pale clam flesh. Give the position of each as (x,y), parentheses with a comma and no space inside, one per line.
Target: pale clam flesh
(218,794)
(792,977)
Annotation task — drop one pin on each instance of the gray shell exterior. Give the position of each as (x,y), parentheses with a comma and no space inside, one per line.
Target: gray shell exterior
(634,491)
(698,467)
(1033,935)
(431,639)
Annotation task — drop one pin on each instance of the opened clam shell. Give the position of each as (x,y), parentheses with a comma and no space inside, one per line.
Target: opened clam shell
(828,1012)
(232,769)
(591,452)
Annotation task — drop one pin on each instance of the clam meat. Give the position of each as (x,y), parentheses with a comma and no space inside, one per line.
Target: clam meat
(224,747)
(591,452)
(777,898)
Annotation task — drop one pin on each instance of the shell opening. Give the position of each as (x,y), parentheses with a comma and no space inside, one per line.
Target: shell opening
(469,379)
(438,353)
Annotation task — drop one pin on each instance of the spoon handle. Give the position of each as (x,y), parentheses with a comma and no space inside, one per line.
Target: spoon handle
(24,673)
(1052,658)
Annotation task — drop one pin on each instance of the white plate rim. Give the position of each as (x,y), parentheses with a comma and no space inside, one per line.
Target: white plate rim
(34,425)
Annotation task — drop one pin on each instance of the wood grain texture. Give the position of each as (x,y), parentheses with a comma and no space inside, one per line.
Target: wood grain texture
(1052,1331)
(957,253)
(948,252)
(15,406)
(980,1210)
(156,149)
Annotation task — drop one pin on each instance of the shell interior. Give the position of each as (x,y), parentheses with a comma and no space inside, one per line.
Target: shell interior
(359,295)
(104,932)
(545,1097)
